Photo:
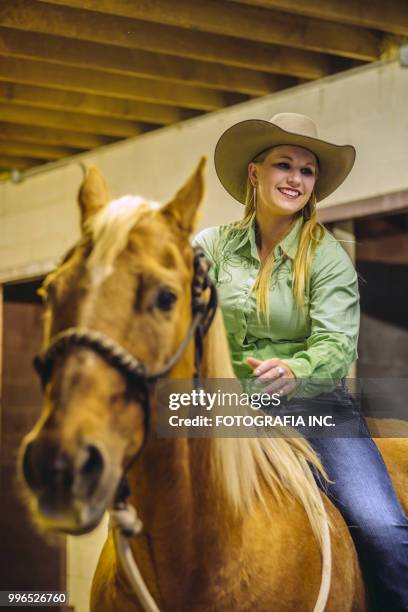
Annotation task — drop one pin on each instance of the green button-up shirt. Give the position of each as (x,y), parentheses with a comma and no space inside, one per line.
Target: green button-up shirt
(319,341)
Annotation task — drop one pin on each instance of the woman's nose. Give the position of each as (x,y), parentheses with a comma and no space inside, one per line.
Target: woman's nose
(294,177)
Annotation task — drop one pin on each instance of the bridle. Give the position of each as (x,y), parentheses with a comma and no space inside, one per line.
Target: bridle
(203,311)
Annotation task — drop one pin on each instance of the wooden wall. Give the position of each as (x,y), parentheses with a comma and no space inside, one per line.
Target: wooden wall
(382,264)
(26,560)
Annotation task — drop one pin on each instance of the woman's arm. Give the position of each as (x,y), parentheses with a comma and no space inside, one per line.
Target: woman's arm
(335,317)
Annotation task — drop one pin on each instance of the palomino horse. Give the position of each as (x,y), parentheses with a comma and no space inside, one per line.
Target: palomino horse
(229,523)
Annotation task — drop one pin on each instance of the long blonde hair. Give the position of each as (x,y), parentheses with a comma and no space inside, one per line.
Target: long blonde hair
(311,233)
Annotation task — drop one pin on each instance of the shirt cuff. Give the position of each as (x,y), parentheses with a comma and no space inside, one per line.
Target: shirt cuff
(300,367)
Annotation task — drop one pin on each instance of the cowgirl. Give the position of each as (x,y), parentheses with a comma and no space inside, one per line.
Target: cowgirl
(290,301)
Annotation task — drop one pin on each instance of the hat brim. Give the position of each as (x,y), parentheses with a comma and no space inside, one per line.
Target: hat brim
(242,142)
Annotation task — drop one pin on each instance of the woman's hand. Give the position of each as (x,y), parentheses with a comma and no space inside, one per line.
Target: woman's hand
(283,380)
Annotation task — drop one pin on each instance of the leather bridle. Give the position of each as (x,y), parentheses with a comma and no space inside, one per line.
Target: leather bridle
(135,372)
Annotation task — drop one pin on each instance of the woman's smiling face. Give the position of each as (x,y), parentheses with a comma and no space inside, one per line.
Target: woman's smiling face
(285,179)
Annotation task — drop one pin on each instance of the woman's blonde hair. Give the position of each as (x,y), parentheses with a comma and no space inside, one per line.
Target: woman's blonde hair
(311,233)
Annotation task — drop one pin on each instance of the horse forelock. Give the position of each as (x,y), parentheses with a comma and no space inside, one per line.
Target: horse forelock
(110,229)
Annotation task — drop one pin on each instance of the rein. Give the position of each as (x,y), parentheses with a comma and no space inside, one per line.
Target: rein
(124,517)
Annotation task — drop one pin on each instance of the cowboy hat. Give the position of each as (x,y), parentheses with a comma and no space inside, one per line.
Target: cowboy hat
(242,142)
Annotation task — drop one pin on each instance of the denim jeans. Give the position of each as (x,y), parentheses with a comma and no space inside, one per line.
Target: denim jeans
(363,492)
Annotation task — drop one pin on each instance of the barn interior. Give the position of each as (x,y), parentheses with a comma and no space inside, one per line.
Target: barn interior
(143,89)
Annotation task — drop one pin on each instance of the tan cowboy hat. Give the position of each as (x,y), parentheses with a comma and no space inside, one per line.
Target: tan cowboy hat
(242,142)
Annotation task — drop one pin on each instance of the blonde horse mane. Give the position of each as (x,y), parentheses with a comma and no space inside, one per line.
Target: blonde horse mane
(246,465)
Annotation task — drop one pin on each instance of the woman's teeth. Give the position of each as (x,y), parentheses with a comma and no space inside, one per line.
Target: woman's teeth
(290,193)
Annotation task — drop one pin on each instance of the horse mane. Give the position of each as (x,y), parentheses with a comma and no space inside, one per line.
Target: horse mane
(246,466)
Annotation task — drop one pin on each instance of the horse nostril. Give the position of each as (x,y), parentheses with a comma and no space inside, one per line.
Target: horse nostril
(31,475)
(45,464)
(92,468)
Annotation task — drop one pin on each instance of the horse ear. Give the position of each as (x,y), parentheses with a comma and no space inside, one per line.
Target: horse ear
(182,210)
(93,195)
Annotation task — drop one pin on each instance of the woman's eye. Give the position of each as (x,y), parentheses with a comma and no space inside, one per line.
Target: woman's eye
(308,171)
(166,300)
(283,165)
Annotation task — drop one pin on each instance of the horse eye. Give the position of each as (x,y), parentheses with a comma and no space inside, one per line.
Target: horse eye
(165,300)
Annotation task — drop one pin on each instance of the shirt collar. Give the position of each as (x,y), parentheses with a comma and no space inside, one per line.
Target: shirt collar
(288,245)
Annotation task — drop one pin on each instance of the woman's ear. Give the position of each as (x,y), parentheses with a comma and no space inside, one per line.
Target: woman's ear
(253,173)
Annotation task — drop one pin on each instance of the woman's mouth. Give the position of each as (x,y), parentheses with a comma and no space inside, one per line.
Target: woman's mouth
(292,194)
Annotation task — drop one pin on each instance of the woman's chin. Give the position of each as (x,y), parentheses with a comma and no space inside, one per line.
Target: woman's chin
(289,207)
(283,207)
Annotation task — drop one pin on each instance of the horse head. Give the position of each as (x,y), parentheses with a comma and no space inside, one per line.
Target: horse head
(128,282)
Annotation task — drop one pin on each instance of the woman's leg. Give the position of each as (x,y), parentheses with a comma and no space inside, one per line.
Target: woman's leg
(363,492)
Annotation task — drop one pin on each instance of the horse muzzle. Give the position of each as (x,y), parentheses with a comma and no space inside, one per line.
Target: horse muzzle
(70,486)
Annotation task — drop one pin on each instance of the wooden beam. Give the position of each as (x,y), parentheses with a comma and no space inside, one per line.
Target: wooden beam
(90,104)
(26,115)
(133,62)
(247,22)
(35,151)
(113,85)
(111,30)
(51,136)
(390,203)
(387,249)
(20,163)
(387,16)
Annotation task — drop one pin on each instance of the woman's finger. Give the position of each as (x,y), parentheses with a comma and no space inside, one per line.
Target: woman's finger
(287,388)
(264,366)
(273,373)
(253,363)
(274,387)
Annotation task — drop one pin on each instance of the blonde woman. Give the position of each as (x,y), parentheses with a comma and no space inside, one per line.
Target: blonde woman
(290,301)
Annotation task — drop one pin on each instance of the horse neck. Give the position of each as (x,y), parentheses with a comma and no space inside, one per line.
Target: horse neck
(182,507)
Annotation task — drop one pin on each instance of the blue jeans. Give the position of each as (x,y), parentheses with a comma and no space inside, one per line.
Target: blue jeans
(363,492)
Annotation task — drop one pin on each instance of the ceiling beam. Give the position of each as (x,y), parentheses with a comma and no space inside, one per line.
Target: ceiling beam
(25,115)
(133,62)
(113,85)
(20,163)
(384,15)
(247,22)
(89,104)
(8,147)
(51,136)
(111,30)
